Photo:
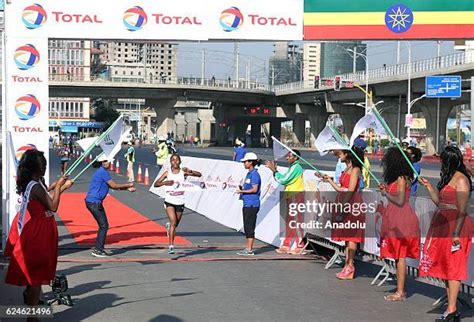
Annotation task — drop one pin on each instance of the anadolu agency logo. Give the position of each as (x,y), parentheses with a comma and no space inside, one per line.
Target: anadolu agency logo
(34,16)
(27,107)
(231,19)
(26,57)
(135,18)
(21,150)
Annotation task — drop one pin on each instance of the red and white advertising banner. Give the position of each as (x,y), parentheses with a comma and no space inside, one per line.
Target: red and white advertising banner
(25,111)
(157,20)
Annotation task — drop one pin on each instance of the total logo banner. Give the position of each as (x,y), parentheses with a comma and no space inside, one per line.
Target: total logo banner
(150,19)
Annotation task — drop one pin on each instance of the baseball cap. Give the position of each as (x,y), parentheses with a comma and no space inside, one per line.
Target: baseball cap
(104,158)
(250,156)
(360,143)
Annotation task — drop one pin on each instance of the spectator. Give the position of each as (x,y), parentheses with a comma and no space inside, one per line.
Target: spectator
(161,153)
(414,154)
(239,151)
(130,157)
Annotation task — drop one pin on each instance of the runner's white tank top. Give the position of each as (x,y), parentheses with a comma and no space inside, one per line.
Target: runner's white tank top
(173,194)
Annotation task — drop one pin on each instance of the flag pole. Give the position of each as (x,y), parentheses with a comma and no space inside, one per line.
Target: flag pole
(89,150)
(390,133)
(87,167)
(341,140)
(301,158)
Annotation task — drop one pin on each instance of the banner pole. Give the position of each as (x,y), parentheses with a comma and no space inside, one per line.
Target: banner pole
(89,150)
(390,133)
(341,140)
(87,167)
(301,158)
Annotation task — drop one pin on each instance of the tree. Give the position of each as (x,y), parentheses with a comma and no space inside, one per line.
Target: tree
(104,113)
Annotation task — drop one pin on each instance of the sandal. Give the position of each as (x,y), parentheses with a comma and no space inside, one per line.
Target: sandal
(282,250)
(396,297)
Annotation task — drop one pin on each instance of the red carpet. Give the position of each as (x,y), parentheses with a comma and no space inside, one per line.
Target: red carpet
(126,226)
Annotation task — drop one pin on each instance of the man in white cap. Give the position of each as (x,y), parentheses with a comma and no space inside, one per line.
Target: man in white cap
(98,189)
(130,157)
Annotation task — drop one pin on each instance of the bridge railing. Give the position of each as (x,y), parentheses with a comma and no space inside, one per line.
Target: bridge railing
(172,81)
(430,64)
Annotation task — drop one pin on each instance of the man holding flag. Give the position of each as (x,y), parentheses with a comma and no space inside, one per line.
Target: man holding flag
(294,193)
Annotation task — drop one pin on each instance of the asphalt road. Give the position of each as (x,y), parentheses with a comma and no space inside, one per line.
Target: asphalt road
(206,281)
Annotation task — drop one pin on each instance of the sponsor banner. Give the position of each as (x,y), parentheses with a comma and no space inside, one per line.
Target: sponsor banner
(149,19)
(257,20)
(220,204)
(25,110)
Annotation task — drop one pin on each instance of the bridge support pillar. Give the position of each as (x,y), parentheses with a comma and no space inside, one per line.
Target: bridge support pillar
(393,111)
(165,111)
(429,109)
(192,124)
(180,123)
(206,119)
(221,133)
(299,128)
(275,129)
(256,134)
(317,120)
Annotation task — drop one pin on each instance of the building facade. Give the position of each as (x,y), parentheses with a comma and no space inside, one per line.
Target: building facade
(139,61)
(285,64)
(336,58)
(311,61)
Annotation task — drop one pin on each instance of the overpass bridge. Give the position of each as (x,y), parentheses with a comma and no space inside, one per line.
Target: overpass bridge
(298,101)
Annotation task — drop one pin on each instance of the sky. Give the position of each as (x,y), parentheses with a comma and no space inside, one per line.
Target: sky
(220,60)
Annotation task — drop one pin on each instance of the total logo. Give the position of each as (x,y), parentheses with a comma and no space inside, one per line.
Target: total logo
(232,19)
(21,150)
(27,107)
(136,18)
(34,16)
(26,57)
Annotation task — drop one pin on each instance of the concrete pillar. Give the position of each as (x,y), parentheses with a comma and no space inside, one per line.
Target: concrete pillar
(317,120)
(164,109)
(275,128)
(429,110)
(180,123)
(299,128)
(256,134)
(192,122)
(220,118)
(206,118)
(239,130)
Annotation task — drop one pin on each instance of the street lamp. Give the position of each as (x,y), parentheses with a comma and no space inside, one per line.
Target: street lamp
(409,110)
(409,102)
(366,59)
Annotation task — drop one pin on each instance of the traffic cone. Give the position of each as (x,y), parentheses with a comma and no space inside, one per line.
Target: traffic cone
(112,167)
(90,158)
(146,181)
(139,177)
(117,167)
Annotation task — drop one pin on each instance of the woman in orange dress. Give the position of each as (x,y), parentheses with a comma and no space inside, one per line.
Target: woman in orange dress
(33,239)
(400,231)
(348,192)
(448,243)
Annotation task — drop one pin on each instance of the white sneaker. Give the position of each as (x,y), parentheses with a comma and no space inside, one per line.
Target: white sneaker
(171,249)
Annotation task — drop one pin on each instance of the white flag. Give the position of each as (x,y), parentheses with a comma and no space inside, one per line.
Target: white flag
(279,150)
(369,121)
(112,142)
(86,143)
(326,142)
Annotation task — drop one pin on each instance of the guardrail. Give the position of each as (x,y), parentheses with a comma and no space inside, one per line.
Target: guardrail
(171,81)
(430,64)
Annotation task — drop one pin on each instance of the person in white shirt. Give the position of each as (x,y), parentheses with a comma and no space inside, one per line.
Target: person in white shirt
(174,200)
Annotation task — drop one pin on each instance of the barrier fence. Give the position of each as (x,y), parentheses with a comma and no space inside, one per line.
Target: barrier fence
(216,199)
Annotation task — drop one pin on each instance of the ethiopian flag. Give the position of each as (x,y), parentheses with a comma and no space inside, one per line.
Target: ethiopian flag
(388,19)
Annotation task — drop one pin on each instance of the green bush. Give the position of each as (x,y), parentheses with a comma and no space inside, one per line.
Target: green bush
(384,143)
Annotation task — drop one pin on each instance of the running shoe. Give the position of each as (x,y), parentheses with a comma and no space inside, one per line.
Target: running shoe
(100,253)
(168,226)
(171,249)
(246,252)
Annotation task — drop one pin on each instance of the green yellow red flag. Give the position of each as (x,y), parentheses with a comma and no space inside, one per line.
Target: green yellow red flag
(388,19)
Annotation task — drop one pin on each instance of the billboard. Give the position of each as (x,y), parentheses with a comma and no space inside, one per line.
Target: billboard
(388,19)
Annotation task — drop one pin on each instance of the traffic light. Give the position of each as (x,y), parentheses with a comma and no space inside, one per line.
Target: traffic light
(337,83)
(317,82)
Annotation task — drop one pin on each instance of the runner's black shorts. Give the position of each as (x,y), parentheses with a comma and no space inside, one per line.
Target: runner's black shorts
(250,220)
(177,208)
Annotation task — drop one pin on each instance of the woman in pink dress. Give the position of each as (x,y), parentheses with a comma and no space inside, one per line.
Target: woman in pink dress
(400,231)
(348,192)
(33,239)
(448,243)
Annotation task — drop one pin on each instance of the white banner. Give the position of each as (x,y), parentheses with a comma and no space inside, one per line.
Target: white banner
(25,112)
(220,204)
(157,20)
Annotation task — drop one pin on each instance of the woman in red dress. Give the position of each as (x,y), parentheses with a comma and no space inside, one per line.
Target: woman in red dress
(448,243)
(400,231)
(348,192)
(33,239)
